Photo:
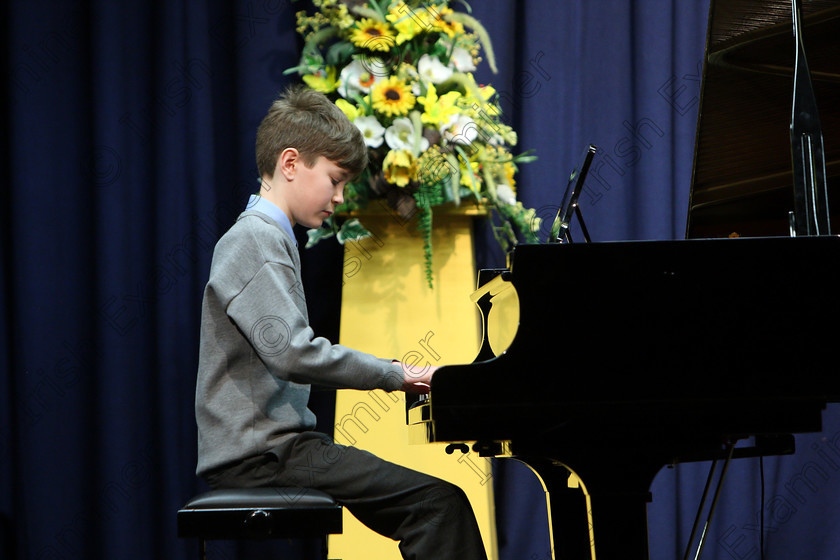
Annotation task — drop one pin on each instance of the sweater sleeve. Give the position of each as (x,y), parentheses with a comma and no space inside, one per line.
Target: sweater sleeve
(266,312)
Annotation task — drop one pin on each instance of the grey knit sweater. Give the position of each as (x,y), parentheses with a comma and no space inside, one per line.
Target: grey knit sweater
(258,354)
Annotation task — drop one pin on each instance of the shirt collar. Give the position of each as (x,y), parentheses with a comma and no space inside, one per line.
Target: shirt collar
(260,204)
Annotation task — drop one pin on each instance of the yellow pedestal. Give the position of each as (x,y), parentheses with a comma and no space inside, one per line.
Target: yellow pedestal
(389,310)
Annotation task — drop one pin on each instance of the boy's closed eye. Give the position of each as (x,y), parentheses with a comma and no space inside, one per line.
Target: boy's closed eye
(342,177)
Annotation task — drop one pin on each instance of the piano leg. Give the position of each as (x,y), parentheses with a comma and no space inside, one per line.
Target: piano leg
(604,519)
(568,511)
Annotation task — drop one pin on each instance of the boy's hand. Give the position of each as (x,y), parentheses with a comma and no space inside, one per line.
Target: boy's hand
(416,380)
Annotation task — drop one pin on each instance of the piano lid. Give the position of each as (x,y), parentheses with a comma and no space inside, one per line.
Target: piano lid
(742,180)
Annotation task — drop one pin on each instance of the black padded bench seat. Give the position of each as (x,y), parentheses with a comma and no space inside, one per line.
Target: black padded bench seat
(259,513)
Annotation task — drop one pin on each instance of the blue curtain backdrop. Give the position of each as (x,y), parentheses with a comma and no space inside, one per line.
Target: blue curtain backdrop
(128,150)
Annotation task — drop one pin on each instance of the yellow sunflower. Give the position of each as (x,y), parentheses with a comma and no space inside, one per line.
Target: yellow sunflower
(373,35)
(392,97)
(451,28)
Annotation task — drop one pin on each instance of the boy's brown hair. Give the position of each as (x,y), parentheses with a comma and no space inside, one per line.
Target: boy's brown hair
(306,120)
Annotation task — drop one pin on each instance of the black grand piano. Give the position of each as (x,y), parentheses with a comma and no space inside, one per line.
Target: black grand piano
(604,362)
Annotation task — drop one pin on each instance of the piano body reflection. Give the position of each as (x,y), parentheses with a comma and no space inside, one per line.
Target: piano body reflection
(613,360)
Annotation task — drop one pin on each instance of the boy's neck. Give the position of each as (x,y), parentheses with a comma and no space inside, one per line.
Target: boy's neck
(272,192)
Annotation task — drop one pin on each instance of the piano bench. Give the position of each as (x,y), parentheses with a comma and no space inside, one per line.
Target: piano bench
(259,513)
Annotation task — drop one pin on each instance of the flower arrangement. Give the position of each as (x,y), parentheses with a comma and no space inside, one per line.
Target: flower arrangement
(401,71)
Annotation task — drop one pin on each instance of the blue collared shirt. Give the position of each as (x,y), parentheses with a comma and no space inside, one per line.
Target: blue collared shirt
(258,203)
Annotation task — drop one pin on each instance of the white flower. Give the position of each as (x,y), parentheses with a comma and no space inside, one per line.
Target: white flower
(461,60)
(431,69)
(356,78)
(413,78)
(400,136)
(460,129)
(505,194)
(372,131)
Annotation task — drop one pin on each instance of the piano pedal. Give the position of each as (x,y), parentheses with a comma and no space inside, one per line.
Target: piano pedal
(491,448)
(453,447)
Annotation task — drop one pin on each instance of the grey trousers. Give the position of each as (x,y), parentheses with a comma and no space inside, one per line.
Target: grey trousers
(431,518)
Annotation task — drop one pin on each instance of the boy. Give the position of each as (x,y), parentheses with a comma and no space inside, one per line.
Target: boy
(258,355)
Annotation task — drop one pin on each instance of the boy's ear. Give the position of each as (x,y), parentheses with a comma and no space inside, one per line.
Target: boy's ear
(287,162)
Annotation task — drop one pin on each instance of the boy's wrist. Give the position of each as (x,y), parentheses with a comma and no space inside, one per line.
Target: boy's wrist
(392,379)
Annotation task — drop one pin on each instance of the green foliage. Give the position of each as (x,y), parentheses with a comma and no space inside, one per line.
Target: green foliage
(427,197)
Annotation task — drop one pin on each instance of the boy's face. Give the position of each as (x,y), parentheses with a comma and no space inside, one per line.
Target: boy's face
(318,190)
